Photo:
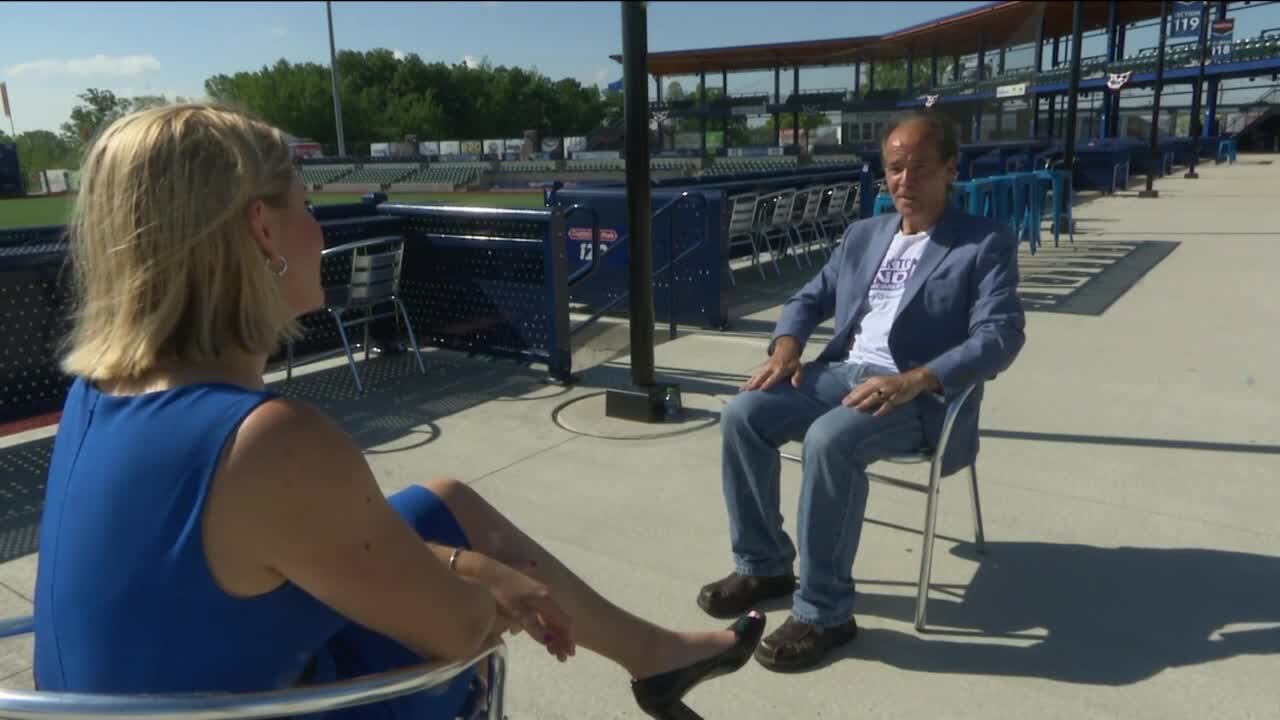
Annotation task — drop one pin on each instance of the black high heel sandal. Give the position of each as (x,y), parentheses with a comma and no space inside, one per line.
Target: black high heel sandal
(660,696)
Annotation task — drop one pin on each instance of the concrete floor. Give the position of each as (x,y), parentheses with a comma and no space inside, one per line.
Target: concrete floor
(1128,465)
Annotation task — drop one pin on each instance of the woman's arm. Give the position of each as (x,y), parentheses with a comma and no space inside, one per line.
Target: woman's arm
(308,508)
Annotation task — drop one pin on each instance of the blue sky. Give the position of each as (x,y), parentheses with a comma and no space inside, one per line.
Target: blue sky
(51,51)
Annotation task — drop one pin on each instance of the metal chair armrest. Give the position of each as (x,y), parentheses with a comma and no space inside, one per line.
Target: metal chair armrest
(41,705)
(358,244)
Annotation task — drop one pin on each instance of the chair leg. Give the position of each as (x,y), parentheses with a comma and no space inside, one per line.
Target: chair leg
(979,537)
(793,247)
(346,347)
(368,313)
(926,553)
(755,257)
(497,684)
(413,339)
(773,254)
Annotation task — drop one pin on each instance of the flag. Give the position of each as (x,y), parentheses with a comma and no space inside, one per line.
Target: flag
(4,95)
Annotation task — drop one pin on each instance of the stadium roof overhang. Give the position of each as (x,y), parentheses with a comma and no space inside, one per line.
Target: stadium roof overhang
(997,24)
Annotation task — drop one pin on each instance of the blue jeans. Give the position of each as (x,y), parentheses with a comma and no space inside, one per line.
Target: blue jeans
(839,444)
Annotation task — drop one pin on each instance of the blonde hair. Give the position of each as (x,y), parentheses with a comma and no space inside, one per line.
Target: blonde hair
(163,263)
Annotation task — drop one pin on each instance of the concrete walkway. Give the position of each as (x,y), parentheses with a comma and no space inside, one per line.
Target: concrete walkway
(1128,466)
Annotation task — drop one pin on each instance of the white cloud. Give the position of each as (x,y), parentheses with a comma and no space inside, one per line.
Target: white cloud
(491,4)
(399,54)
(471,61)
(279,32)
(95,65)
(602,76)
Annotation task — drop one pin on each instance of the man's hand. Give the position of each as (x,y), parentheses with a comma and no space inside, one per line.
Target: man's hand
(881,395)
(782,364)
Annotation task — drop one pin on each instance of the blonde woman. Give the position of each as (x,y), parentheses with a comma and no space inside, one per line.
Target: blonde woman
(200,532)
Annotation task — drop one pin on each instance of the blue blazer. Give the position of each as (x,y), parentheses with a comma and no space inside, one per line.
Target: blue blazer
(960,314)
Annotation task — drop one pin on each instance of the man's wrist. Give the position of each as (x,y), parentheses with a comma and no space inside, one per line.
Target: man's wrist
(924,379)
(785,343)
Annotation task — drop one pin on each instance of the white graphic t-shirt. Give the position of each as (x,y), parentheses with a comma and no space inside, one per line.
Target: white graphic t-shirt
(871,344)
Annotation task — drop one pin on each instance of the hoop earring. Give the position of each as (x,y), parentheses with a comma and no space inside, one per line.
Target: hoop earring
(284,267)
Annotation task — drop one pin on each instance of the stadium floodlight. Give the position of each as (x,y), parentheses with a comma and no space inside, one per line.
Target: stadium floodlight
(333,75)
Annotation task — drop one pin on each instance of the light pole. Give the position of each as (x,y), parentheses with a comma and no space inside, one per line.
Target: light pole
(333,75)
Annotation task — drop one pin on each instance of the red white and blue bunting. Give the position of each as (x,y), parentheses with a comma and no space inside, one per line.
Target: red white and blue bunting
(1115,81)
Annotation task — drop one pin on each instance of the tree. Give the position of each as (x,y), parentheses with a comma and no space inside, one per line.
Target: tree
(98,108)
(40,150)
(385,97)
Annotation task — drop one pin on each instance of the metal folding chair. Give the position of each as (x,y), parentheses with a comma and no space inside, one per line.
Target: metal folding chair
(933,456)
(742,231)
(835,220)
(485,703)
(778,225)
(808,229)
(374,281)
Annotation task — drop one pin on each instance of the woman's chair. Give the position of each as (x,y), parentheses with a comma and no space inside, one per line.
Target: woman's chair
(374,281)
(485,703)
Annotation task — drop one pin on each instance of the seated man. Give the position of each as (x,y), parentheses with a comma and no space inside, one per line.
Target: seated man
(925,302)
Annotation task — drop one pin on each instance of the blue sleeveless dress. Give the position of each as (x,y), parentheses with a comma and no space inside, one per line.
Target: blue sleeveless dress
(125,601)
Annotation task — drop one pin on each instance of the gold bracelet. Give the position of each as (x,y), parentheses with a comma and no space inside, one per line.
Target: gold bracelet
(453,559)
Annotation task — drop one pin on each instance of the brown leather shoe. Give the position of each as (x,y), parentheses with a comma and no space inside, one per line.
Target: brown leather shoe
(733,595)
(796,645)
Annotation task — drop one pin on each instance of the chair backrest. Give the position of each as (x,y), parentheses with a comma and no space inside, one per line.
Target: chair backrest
(375,268)
(743,215)
(782,209)
(839,196)
(851,204)
(365,690)
(813,203)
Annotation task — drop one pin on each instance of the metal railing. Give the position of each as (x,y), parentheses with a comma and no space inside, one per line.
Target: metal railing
(669,268)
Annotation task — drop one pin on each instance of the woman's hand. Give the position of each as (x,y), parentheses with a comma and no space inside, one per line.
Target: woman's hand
(526,604)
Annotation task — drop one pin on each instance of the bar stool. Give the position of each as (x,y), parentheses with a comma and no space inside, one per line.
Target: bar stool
(1059,181)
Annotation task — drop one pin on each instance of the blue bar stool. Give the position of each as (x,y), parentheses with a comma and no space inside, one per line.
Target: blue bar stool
(884,204)
(982,200)
(961,194)
(1025,216)
(1060,182)
(1226,151)
(1002,194)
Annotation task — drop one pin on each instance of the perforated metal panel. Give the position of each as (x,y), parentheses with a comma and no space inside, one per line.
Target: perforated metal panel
(485,293)
(692,229)
(482,280)
(33,321)
(476,280)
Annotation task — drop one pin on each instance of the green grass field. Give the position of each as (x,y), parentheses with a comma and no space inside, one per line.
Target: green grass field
(53,210)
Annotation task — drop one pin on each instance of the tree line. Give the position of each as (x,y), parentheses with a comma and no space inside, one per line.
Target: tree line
(386,97)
